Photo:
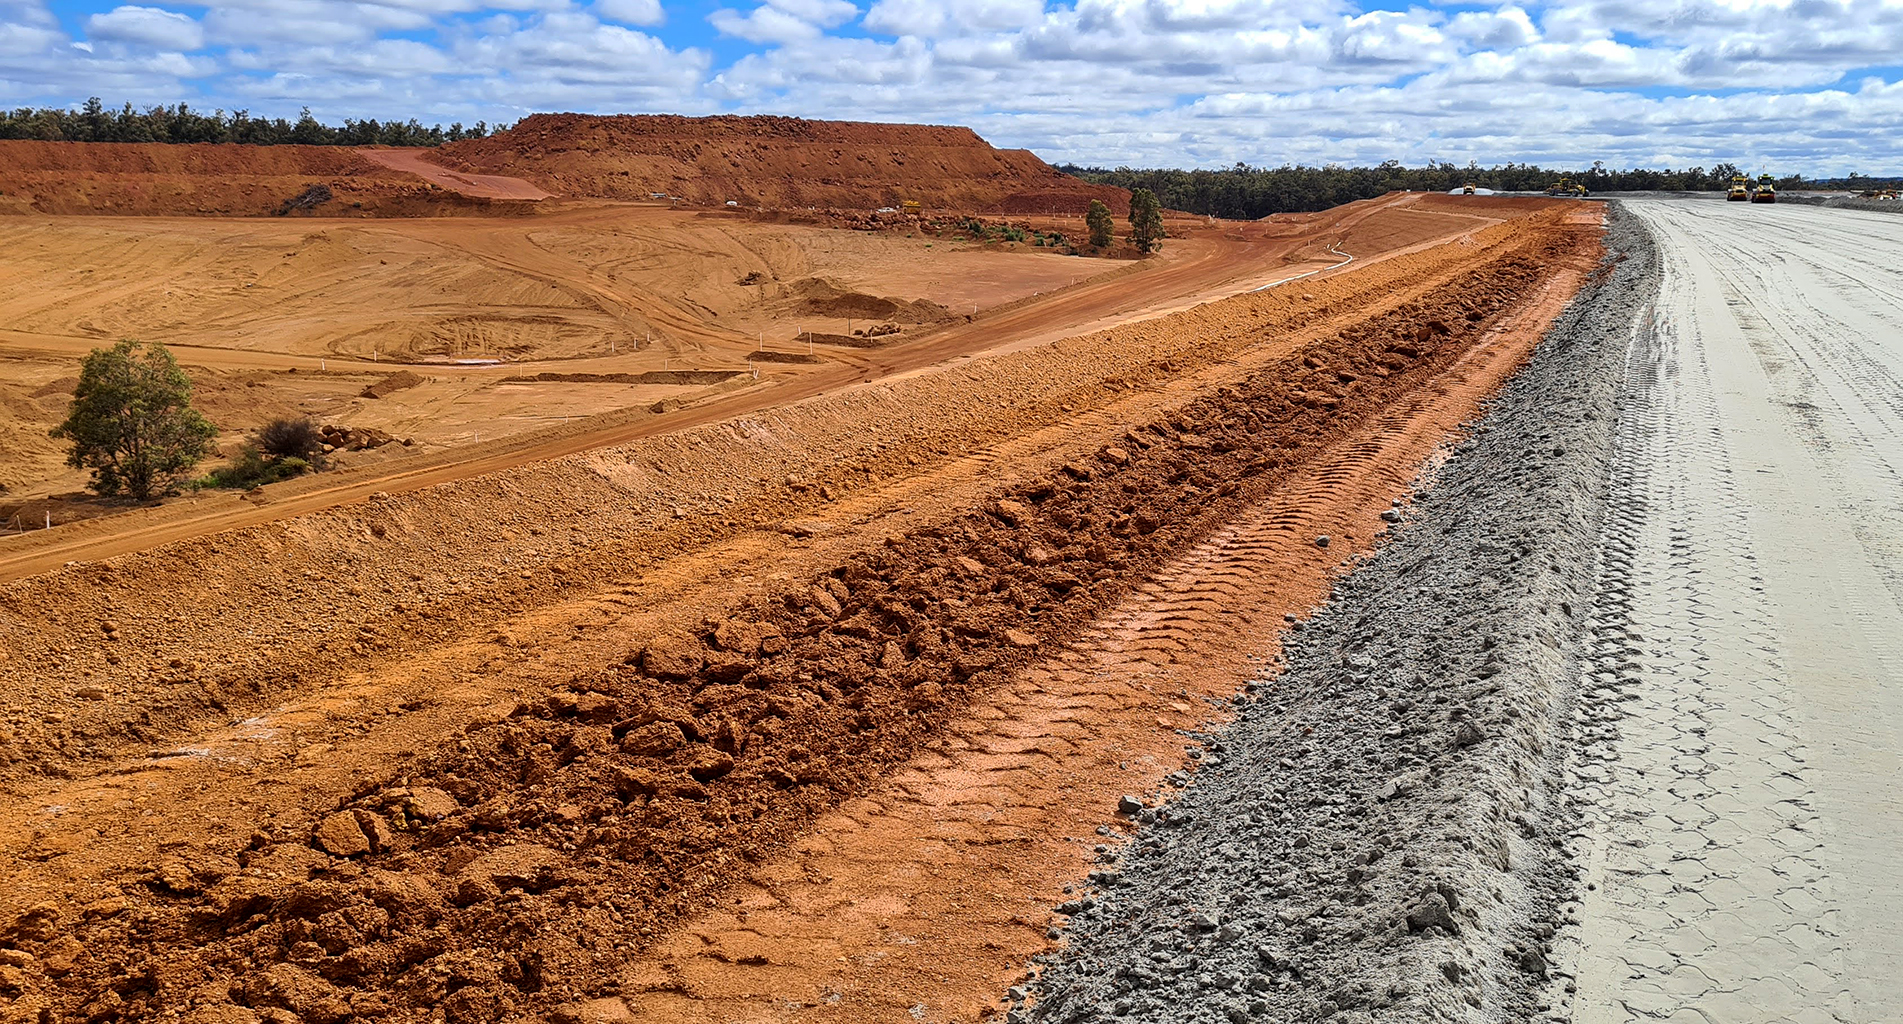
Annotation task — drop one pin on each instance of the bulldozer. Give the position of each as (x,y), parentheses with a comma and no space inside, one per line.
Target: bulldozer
(1565,187)
(1767,190)
(1739,191)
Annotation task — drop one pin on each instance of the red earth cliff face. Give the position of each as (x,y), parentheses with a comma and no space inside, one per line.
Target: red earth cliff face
(207,179)
(775,162)
(783,162)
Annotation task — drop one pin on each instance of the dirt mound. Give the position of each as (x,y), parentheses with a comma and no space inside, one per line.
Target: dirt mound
(774,162)
(784,357)
(62,386)
(160,179)
(402,380)
(817,296)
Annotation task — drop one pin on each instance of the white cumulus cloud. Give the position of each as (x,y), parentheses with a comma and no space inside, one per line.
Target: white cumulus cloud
(783,21)
(1807,85)
(631,12)
(151,27)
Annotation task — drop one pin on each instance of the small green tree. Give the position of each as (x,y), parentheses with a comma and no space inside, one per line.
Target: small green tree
(132,421)
(1100,225)
(1146,220)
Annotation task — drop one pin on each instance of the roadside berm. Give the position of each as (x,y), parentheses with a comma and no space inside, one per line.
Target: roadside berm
(557,713)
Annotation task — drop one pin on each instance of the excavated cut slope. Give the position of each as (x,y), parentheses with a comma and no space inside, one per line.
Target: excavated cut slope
(776,162)
(165,179)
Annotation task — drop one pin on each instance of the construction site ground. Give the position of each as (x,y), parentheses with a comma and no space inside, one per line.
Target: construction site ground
(1442,608)
(806,700)
(639,309)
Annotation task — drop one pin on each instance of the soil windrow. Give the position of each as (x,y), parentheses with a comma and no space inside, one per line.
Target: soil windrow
(497,873)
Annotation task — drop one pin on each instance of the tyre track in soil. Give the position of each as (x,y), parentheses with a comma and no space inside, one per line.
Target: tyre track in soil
(926,896)
(136,987)
(1738,750)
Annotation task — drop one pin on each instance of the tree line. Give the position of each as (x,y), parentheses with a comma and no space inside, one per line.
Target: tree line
(1243,192)
(92,122)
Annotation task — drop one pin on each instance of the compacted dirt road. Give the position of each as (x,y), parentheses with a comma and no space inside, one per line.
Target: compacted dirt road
(1745,811)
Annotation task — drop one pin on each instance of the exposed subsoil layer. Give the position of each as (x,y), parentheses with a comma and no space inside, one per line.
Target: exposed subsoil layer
(786,162)
(778,162)
(160,179)
(482,186)
(503,863)
(922,896)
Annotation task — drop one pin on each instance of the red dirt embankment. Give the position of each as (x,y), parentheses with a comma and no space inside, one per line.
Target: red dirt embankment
(161,179)
(775,162)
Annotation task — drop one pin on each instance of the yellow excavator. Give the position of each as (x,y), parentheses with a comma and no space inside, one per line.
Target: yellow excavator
(1739,192)
(1565,187)
(1767,190)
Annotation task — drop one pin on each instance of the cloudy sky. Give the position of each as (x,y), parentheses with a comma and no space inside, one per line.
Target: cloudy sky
(1814,86)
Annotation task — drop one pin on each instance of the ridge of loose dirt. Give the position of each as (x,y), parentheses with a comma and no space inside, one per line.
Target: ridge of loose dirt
(783,162)
(632,793)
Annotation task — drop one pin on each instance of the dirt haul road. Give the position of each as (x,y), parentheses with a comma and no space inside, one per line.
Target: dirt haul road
(507,748)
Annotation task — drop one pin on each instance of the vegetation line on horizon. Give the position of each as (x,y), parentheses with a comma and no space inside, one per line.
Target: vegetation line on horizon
(92,122)
(1243,192)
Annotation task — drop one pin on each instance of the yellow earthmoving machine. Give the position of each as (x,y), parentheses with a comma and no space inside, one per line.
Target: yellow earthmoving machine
(1565,187)
(1468,190)
(1739,192)
(910,206)
(1767,190)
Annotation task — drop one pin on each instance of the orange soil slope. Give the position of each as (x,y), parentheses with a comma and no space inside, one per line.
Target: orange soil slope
(511,863)
(159,179)
(774,161)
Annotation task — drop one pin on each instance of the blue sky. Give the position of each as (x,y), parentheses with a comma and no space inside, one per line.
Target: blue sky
(1813,86)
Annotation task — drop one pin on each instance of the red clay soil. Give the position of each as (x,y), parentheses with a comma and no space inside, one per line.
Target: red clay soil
(504,871)
(926,896)
(775,162)
(755,161)
(481,186)
(160,179)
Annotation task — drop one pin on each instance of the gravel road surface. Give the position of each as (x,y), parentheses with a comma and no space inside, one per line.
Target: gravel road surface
(1610,731)
(1743,811)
